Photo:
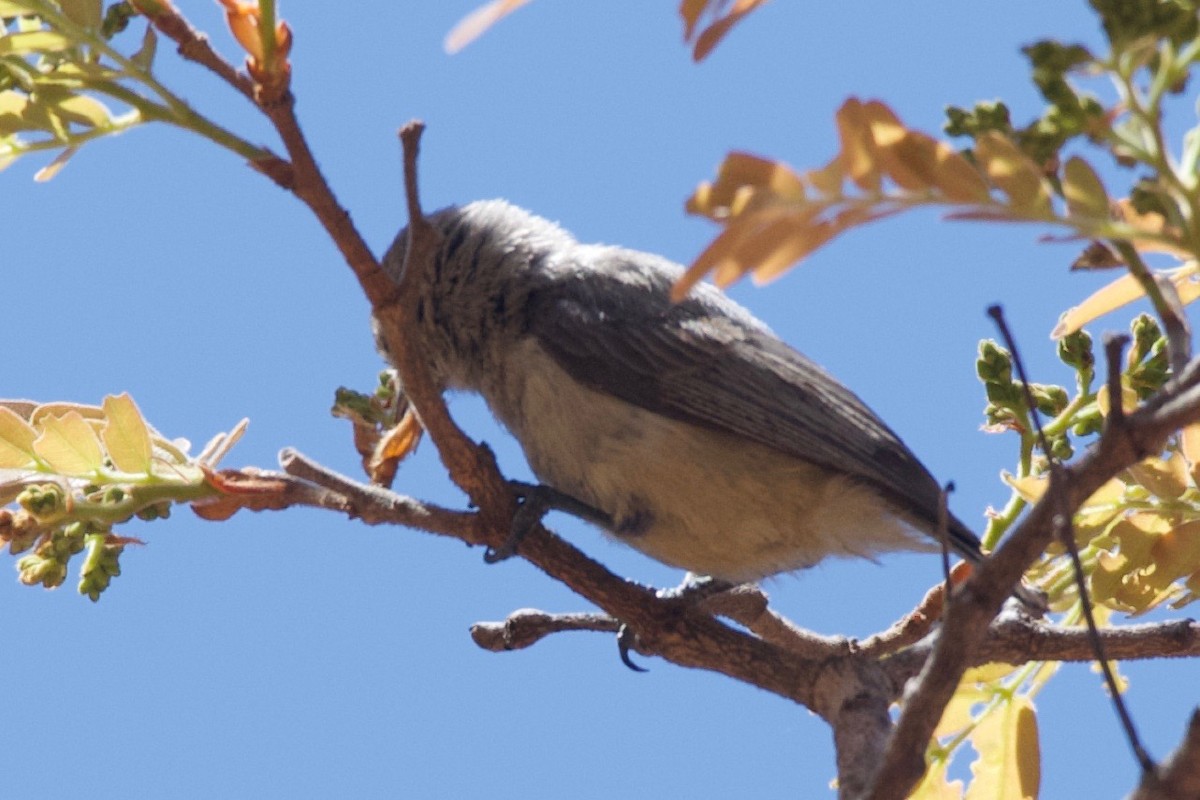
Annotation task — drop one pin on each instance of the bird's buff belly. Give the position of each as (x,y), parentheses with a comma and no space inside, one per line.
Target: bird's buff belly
(702,500)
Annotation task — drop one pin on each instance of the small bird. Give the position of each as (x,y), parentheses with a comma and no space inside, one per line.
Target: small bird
(695,434)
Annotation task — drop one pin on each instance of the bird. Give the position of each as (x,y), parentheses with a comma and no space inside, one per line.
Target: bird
(689,430)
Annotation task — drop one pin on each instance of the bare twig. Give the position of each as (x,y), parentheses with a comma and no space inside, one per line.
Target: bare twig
(375,505)
(1113,346)
(528,626)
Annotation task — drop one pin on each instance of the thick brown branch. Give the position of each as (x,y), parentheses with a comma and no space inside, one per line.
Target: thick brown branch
(472,467)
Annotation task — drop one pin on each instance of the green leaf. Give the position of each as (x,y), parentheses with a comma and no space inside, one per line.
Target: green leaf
(125,434)
(35,42)
(1083,189)
(86,14)
(16,441)
(144,57)
(13,9)
(14,114)
(69,445)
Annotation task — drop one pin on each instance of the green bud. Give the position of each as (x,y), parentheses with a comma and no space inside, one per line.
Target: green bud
(156,511)
(1086,426)
(116,19)
(1006,394)
(1051,400)
(34,569)
(1145,332)
(44,500)
(983,117)
(100,566)
(1061,449)
(1075,350)
(1126,21)
(994,363)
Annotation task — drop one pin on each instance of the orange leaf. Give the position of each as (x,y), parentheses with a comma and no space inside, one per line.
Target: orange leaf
(1013,172)
(958,178)
(858,146)
(473,25)
(714,33)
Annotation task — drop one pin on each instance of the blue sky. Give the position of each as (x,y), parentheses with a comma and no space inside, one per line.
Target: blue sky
(300,655)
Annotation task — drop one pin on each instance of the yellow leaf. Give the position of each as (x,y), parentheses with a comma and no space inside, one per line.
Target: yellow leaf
(976,688)
(125,435)
(1083,189)
(1189,443)
(1177,551)
(16,441)
(34,42)
(68,445)
(936,784)
(473,25)
(1166,478)
(1009,762)
(1123,290)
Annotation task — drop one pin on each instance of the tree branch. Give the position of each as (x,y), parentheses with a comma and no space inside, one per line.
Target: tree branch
(1126,440)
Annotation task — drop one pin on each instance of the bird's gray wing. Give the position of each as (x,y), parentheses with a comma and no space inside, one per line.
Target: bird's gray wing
(705,361)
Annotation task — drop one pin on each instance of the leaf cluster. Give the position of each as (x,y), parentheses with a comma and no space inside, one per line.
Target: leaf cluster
(70,473)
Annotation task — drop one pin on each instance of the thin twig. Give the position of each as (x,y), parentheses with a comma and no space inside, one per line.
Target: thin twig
(1063,518)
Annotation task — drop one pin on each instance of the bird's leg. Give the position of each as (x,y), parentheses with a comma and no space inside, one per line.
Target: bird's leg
(536,501)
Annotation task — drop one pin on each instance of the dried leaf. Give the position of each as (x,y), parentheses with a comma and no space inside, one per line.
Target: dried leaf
(1013,172)
(711,36)
(738,171)
(473,25)
(393,447)
(54,167)
(857,145)
(1097,255)
(957,178)
(69,446)
(125,435)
